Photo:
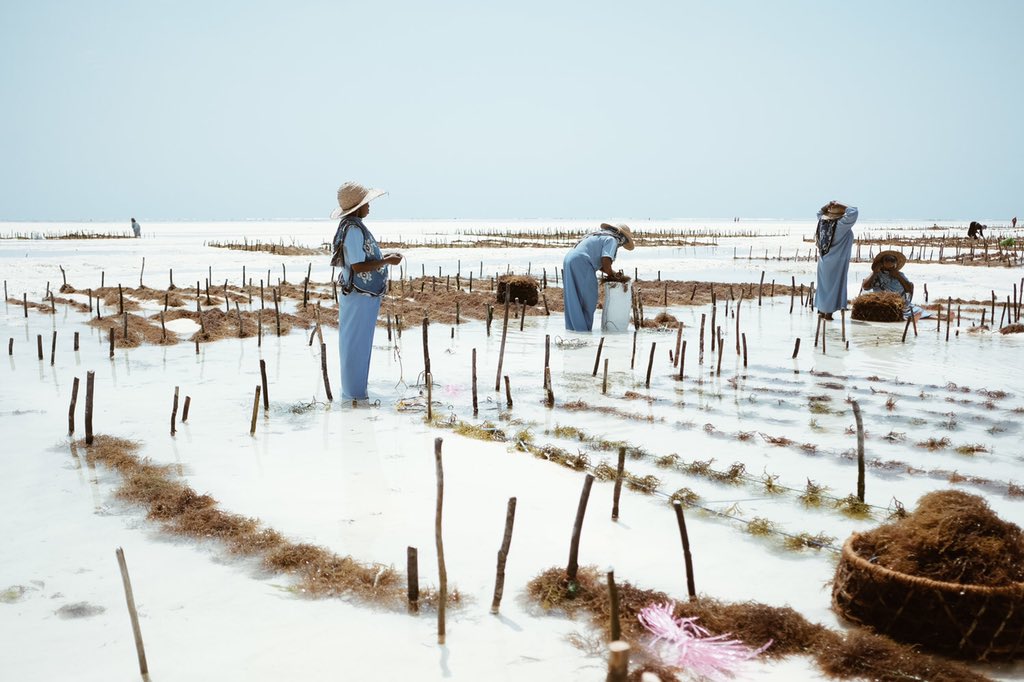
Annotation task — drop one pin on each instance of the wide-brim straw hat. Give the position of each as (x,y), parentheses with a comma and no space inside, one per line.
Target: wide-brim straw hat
(834,213)
(624,231)
(901,260)
(352,196)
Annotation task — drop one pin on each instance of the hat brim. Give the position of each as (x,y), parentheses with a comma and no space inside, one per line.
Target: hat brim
(627,233)
(901,260)
(371,194)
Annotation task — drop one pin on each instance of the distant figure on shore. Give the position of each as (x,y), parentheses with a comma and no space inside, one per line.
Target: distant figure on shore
(136,228)
(1013,223)
(593,253)
(834,240)
(976,230)
(886,276)
(363,280)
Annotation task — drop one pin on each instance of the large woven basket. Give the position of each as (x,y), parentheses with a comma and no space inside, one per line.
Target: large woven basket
(971,622)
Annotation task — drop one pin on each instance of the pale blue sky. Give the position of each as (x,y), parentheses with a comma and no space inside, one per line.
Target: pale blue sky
(223,109)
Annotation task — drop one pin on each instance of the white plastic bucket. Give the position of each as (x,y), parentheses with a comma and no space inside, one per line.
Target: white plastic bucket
(618,303)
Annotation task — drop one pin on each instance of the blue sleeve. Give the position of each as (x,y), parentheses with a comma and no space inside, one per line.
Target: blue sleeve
(609,247)
(354,246)
(850,217)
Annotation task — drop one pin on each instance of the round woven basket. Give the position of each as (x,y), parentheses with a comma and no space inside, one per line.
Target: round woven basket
(971,622)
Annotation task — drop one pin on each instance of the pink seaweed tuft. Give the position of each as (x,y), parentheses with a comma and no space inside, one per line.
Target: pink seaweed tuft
(693,648)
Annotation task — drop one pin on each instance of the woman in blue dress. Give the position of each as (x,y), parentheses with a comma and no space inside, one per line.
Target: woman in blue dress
(886,276)
(835,241)
(595,252)
(363,279)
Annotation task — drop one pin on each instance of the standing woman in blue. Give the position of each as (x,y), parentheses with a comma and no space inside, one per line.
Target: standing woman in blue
(835,241)
(593,253)
(363,279)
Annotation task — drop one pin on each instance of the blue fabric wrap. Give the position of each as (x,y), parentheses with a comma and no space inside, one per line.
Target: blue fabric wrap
(834,266)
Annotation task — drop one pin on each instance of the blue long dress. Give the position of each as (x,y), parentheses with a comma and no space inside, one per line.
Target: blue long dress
(357,311)
(579,272)
(834,266)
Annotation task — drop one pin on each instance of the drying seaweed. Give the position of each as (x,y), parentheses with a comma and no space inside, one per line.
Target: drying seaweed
(878,306)
(853,655)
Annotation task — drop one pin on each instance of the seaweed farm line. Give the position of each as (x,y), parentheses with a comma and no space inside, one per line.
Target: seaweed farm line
(759,445)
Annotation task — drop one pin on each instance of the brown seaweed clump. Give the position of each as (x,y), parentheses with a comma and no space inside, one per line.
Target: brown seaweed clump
(666,320)
(1012,329)
(952,536)
(878,306)
(521,289)
(856,655)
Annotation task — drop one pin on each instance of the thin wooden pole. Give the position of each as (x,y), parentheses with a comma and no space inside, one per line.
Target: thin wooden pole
(89,393)
(39,346)
(255,410)
(129,597)
(506,543)
(508,393)
(53,348)
(860,449)
(475,407)
(430,397)
(174,410)
(604,379)
(613,600)
(501,351)
(71,410)
(650,365)
(323,369)
(442,598)
(682,360)
(577,528)
(184,411)
(597,358)
(619,469)
(677,506)
(426,347)
(266,390)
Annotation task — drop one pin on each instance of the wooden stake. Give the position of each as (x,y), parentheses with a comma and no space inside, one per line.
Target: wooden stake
(53,348)
(71,410)
(430,397)
(650,365)
(744,349)
(132,613)
(89,381)
(700,355)
(412,569)
(632,357)
(613,601)
(475,408)
(442,590)
(10,346)
(255,410)
(949,315)
(266,390)
(620,468)
(508,393)
(39,346)
(501,351)
(906,328)
(618,661)
(174,410)
(860,449)
(682,361)
(604,380)
(506,543)
(597,358)
(550,398)
(323,369)
(184,411)
(679,341)
(574,546)
(677,506)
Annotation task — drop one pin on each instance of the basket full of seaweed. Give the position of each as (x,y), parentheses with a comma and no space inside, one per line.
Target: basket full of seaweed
(520,288)
(948,577)
(878,306)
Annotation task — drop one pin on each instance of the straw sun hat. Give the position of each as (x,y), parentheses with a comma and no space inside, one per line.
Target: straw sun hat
(624,231)
(352,196)
(901,260)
